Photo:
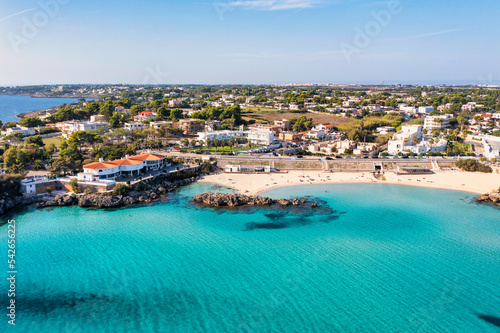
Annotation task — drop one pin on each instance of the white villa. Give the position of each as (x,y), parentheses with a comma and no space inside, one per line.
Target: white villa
(133,126)
(256,136)
(127,167)
(70,127)
(403,142)
(23,130)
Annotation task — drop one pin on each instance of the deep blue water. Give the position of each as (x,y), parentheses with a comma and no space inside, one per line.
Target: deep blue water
(10,106)
(371,258)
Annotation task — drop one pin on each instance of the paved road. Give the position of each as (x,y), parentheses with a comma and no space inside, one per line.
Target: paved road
(270,157)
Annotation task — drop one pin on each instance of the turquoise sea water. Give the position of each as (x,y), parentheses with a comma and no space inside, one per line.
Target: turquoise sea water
(10,106)
(371,258)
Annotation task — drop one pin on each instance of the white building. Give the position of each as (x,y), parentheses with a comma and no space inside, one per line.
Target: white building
(96,118)
(316,133)
(70,127)
(386,129)
(256,136)
(144,115)
(409,109)
(425,109)
(437,122)
(260,137)
(127,167)
(221,135)
(491,146)
(25,131)
(174,103)
(133,126)
(403,139)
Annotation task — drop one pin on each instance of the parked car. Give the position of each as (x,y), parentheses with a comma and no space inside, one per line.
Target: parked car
(329,158)
(300,156)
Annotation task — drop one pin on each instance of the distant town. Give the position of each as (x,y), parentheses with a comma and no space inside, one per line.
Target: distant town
(120,133)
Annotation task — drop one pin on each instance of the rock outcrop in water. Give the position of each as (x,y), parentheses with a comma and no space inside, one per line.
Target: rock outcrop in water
(493,196)
(236,200)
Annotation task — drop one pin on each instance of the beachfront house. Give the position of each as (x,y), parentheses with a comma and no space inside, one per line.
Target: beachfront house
(127,167)
(411,139)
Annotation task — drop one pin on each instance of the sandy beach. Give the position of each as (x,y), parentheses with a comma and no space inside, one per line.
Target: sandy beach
(254,184)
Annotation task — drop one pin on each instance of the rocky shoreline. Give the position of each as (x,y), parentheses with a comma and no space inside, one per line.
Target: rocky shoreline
(212,199)
(109,200)
(493,197)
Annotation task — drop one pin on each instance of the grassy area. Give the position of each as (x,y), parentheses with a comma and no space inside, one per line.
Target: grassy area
(55,140)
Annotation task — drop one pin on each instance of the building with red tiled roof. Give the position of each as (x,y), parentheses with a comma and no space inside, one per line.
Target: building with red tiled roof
(128,167)
(151,161)
(144,115)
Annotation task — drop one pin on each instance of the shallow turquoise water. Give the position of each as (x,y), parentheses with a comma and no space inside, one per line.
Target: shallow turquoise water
(372,258)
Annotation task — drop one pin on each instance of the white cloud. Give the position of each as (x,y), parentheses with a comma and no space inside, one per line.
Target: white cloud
(276,4)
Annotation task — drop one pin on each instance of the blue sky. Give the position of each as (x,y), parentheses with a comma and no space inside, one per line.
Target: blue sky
(249,41)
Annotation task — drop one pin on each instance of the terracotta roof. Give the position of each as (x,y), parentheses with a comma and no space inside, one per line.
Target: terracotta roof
(100,165)
(147,157)
(127,161)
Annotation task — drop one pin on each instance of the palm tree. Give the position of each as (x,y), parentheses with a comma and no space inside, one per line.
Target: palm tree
(208,143)
(216,144)
(231,144)
(38,165)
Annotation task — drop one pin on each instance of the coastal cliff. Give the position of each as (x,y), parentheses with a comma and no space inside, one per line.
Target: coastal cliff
(493,197)
(211,199)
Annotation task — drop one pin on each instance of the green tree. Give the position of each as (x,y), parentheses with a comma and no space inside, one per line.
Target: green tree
(121,189)
(35,140)
(216,144)
(175,114)
(74,186)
